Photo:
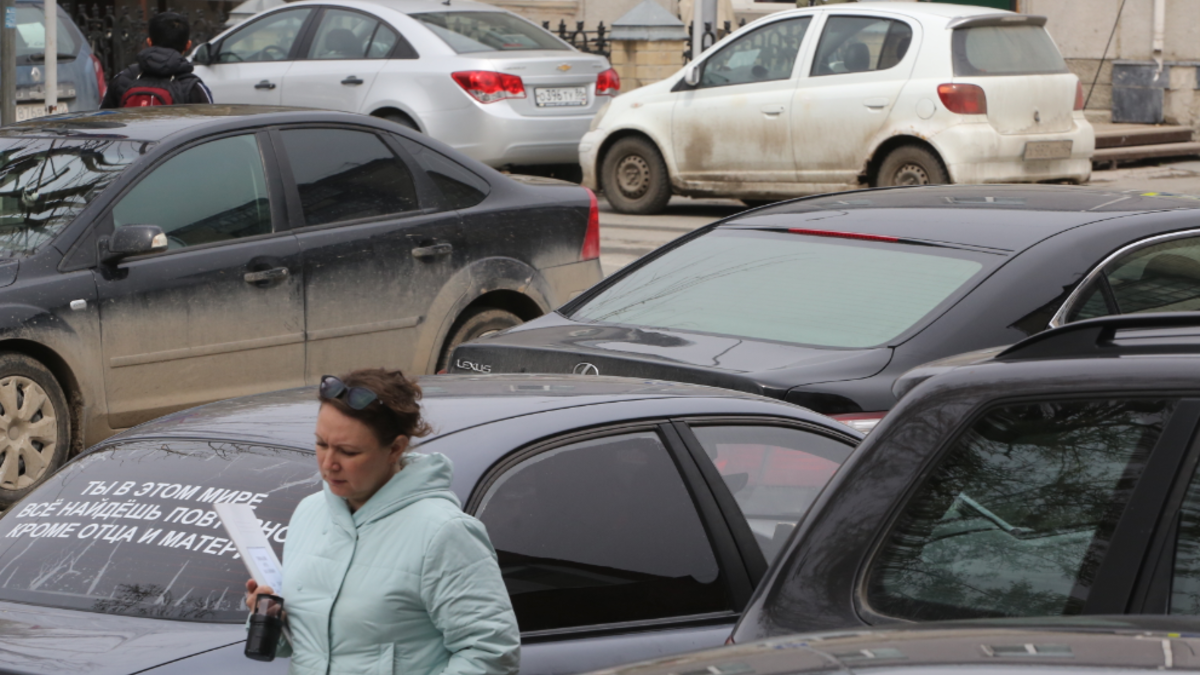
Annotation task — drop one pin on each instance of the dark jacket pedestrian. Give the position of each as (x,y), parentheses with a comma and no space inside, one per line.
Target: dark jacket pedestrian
(162,75)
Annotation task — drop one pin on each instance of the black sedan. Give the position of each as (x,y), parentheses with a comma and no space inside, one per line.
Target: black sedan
(1056,478)
(632,519)
(1115,645)
(825,301)
(156,259)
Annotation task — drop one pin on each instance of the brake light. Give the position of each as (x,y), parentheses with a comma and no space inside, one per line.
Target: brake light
(1078,95)
(100,81)
(486,86)
(964,99)
(861,422)
(845,235)
(591,238)
(608,83)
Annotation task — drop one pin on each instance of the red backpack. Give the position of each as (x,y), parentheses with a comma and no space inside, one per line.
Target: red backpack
(148,91)
(137,97)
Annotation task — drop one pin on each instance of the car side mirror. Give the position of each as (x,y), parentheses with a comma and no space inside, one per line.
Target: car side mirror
(131,240)
(691,75)
(203,54)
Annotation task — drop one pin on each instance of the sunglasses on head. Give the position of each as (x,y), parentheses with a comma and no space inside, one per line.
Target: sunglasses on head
(355,397)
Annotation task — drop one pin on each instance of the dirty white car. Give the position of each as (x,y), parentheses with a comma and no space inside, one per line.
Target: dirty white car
(828,98)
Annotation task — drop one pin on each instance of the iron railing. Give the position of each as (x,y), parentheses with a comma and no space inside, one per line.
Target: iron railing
(710,36)
(116,38)
(590,41)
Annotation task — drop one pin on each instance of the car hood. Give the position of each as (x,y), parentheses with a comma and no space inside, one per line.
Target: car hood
(554,344)
(44,640)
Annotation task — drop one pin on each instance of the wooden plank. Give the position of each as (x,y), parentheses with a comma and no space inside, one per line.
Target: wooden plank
(1126,137)
(1129,154)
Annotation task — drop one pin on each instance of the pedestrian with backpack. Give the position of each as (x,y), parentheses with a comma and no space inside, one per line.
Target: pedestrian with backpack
(162,76)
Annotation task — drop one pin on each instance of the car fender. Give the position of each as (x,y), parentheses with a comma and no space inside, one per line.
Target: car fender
(468,285)
(641,112)
(926,134)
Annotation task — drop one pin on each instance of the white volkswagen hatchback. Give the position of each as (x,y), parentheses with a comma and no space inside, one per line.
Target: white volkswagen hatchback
(484,81)
(839,96)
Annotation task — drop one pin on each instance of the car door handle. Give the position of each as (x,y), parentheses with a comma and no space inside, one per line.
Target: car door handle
(432,251)
(352,80)
(265,84)
(876,103)
(772,110)
(261,276)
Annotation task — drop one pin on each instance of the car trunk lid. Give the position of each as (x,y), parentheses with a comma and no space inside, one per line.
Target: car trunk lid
(1030,104)
(566,78)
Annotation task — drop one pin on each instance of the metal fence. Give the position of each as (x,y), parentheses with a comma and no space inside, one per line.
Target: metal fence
(590,41)
(117,37)
(710,36)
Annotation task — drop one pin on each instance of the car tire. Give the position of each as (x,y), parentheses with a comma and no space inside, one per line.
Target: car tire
(634,177)
(35,426)
(476,323)
(401,119)
(911,165)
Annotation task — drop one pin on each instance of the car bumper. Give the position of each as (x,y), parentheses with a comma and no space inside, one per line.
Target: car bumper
(497,136)
(976,153)
(589,154)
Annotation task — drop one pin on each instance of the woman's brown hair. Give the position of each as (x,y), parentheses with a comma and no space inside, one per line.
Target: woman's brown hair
(397,410)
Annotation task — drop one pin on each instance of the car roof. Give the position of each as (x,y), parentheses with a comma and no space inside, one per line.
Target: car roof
(451,403)
(158,122)
(973,215)
(929,9)
(415,6)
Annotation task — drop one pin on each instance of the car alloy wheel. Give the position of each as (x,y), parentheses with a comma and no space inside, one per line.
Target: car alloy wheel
(28,433)
(633,176)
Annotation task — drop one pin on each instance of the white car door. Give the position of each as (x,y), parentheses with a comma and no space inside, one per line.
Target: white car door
(341,61)
(734,125)
(858,69)
(249,64)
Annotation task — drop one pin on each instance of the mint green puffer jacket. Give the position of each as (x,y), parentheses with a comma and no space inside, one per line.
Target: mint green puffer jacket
(407,585)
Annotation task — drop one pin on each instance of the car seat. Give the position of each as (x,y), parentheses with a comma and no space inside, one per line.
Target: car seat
(858,58)
(340,43)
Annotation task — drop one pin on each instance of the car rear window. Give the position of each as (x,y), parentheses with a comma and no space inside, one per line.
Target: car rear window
(785,287)
(1005,50)
(31,35)
(45,183)
(467,32)
(130,529)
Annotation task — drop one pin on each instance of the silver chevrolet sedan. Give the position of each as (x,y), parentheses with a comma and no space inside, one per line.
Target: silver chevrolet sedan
(485,81)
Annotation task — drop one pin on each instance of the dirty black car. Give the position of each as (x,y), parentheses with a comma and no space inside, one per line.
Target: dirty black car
(1056,478)
(155,259)
(631,518)
(825,301)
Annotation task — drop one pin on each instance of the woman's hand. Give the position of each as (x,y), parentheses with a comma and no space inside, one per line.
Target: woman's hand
(252,592)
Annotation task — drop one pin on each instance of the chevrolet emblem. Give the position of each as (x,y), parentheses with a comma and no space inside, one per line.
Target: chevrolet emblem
(565,67)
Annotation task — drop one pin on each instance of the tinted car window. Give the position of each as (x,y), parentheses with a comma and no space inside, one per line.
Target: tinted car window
(31,34)
(1185,589)
(601,531)
(347,175)
(1162,277)
(788,287)
(1005,50)
(460,187)
(768,53)
(468,32)
(268,39)
(130,529)
(213,192)
(45,183)
(382,42)
(774,473)
(342,35)
(1016,518)
(859,44)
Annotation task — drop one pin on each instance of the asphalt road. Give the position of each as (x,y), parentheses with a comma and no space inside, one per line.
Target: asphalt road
(625,238)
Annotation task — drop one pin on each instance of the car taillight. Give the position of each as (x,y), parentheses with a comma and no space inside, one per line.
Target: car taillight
(486,86)
(1078,95)
(100,82)
(964,99)
(608,83)
(591,238)
(862,422)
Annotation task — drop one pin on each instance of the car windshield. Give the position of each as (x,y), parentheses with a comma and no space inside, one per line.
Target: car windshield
(130,529)
(31,35)
(1005,50)
(786,287)
(467,32)
(45,183)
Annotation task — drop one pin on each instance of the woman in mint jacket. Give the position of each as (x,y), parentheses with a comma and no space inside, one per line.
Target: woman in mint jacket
(383,574)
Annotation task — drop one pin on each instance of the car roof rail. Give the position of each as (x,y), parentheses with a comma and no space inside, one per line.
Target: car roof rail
(1095,337)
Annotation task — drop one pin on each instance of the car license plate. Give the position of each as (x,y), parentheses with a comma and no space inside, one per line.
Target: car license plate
(1048,150)
(28,112)
(553,97)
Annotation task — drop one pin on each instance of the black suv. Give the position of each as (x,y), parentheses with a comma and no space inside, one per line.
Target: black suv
(1056,477)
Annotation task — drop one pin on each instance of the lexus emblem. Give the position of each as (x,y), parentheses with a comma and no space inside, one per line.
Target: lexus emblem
(565,67)
(585,369)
